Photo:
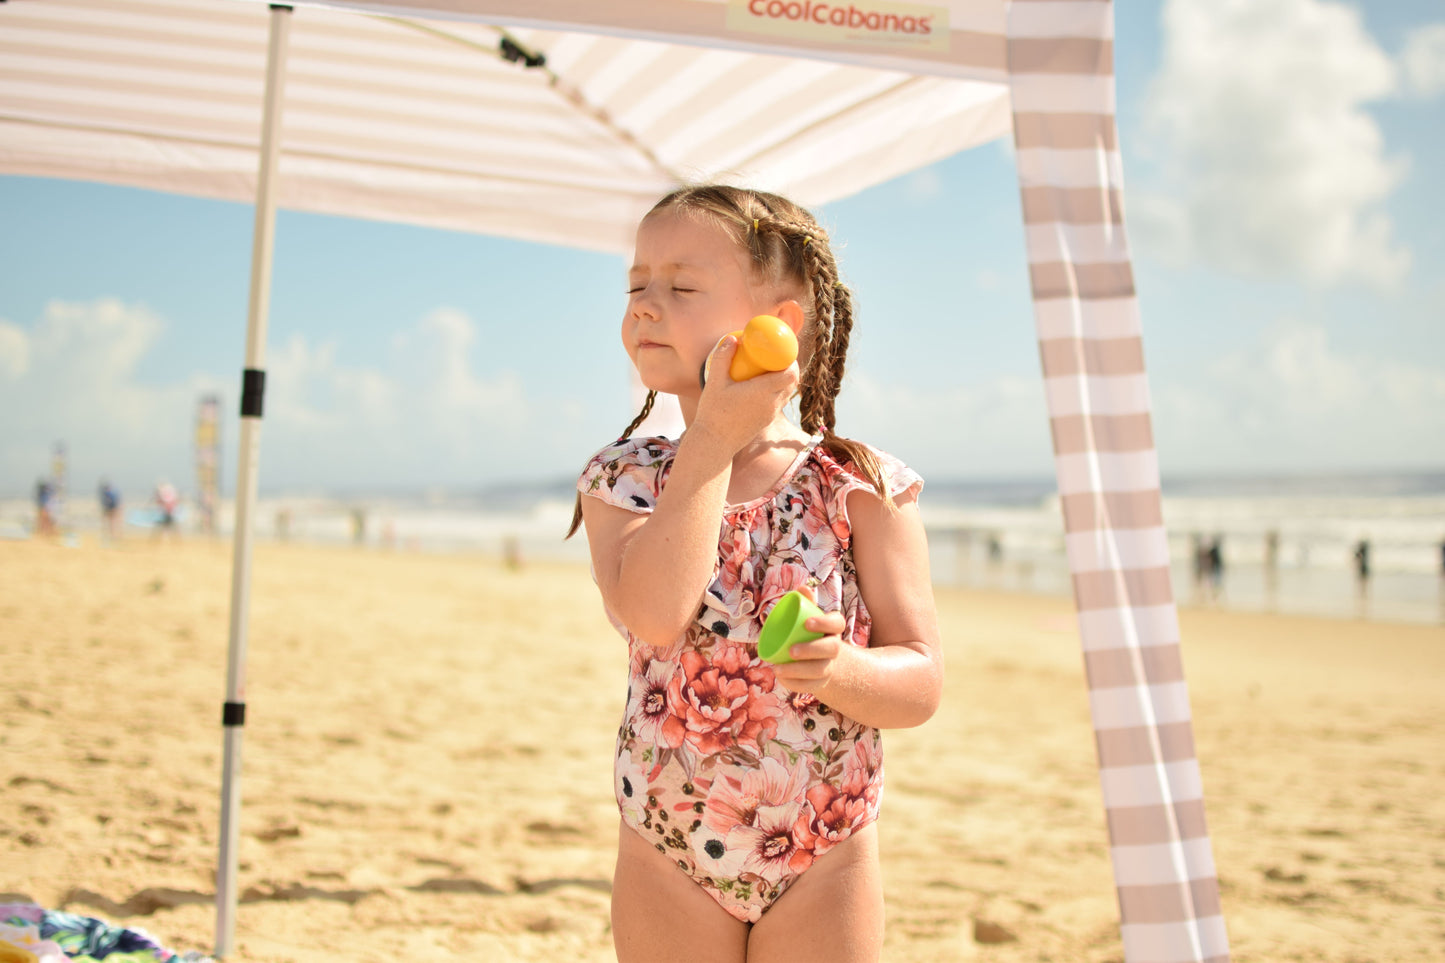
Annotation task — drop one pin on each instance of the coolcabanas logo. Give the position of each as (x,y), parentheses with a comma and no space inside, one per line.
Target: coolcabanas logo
(857,22)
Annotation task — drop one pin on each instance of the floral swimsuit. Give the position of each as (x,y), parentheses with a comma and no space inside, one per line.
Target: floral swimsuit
(742,782)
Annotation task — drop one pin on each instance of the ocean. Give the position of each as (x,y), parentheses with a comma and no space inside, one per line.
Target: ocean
(1286,544)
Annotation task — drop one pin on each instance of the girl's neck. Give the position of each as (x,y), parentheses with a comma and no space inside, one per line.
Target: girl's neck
(759,464)
(781,435)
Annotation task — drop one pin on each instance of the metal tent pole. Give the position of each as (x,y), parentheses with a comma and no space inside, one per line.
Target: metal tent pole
(253,385)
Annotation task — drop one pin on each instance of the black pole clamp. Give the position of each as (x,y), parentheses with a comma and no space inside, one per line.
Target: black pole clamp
(253,392)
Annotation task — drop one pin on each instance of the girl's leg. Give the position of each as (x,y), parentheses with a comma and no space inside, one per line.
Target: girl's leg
(659,915)
(833,913)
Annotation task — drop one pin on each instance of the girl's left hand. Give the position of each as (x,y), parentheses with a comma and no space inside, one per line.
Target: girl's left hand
(815,662)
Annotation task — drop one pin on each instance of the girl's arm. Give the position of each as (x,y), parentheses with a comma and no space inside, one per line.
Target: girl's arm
(897,681)
(653,569)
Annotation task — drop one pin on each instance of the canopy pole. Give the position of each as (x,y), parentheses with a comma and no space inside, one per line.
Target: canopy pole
(253,387)
(1061,79)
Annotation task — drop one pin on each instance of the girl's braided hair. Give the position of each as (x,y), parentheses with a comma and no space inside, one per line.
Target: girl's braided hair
(787,245)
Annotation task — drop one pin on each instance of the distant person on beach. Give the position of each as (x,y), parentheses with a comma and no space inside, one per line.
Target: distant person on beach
(1362,577)
(1362,562)
(748,791)
(1199,558)
(167,501)
(109,510)
(1271,549)
(1214,564)
(1271,565)
(44,508)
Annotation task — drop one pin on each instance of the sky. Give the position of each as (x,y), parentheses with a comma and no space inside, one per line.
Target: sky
(1283,197)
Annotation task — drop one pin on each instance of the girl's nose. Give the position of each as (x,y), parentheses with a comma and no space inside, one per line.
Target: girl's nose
(642,306)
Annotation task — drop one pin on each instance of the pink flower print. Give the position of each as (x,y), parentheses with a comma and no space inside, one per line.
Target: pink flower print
(816,520)
(829,818)
(733,554)
(771,846)
(724,701)
(653,714)
(713,703)
(794,711)
(801,702)
(735,802)
(731,593)
(861,771)
(781,579)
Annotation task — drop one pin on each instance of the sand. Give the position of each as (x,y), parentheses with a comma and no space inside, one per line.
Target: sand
(427,765)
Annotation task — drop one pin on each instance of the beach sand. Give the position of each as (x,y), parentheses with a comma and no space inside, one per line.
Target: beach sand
(428,765)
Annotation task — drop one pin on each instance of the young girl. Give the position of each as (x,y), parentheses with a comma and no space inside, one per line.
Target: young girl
(748,791)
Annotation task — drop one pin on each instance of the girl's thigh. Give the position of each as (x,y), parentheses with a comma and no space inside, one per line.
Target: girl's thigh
(833,913)
(659,915)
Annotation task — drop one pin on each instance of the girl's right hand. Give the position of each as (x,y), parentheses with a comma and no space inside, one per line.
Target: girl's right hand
(736,412)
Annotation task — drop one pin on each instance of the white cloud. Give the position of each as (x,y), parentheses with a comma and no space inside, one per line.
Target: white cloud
(441,412)
(1293,401)
(1424,59)
(1289,400)
(430,417)
(71,379)
(14,350)
(1265,161)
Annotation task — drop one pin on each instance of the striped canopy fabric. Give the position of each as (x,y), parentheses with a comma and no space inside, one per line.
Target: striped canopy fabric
(1092,352)
(395,115)
(563,120)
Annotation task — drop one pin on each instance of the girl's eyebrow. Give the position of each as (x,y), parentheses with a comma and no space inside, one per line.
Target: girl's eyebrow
(669,266)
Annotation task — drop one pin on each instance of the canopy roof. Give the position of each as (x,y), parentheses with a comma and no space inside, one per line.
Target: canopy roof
(398,115)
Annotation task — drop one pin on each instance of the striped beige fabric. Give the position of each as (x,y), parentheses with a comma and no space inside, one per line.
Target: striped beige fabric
(1061,73)
(393,114)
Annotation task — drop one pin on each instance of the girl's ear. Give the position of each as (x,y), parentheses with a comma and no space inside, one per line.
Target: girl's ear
(792,314)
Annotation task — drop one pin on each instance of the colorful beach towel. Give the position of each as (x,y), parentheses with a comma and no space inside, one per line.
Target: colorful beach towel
(30,934)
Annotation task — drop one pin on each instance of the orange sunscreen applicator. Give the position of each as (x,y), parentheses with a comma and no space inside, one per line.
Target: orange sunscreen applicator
(766,344)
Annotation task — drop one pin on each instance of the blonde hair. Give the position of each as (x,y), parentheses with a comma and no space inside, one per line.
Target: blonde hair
(788,247)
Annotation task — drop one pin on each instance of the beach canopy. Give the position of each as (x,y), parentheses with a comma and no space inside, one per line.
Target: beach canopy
(562,121)
(502,120)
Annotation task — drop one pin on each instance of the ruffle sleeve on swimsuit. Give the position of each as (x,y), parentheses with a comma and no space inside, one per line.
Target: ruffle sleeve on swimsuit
(629,474)
(845,478)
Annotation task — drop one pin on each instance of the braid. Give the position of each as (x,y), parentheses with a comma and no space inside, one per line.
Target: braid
(626,433)
(823,378)
(641,416)
(842,332)
(824,375)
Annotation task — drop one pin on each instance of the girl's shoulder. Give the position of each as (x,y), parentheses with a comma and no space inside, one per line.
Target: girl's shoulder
(629,473)
(644,450)
(842,473)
